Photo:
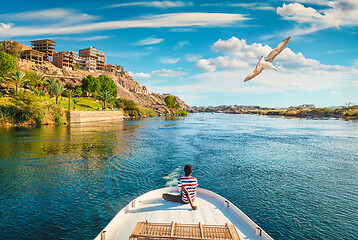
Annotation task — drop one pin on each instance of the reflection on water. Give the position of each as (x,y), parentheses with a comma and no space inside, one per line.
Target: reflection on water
(296,178)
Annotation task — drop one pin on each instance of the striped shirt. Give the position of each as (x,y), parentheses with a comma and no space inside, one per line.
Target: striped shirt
(190,183)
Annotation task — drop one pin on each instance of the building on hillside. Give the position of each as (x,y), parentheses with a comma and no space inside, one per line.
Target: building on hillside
(113,68)
(72,53)
(88,64)
(7,45)
(63,60)
(46,46)
(99,56)
(33,56)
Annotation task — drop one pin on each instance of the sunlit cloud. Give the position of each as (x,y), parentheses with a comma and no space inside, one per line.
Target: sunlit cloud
(168,73)
(152,21)
(337,14)
(155,4)
(54,14)
(149,41)
(139,75)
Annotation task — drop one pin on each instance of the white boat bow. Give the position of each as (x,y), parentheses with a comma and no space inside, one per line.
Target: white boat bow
(213,210)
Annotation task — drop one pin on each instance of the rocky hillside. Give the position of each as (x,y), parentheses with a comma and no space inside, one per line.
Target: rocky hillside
(127,87)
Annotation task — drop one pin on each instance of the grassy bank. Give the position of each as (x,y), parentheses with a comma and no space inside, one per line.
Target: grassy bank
(27,108)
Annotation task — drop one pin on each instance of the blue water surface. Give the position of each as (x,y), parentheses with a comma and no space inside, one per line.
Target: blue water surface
(296,178)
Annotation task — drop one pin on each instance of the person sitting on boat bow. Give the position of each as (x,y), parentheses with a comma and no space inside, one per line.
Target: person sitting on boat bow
(188,185)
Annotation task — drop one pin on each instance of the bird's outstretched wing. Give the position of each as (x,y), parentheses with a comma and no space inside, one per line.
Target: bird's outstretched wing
(258,69)
(273,54)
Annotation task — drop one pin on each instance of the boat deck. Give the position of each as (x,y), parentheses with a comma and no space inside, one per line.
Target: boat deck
(213,210)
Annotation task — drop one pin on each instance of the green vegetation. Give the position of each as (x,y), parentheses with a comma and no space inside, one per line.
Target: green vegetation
(36,78)
(107,85)
(90,85)
(7,64)
(182,113)
(170,101)
(105,96)
(132,109)
(76,66)
(350,112)
(28,108)
(44,103)
(18,78)
(70,93)
(56,89)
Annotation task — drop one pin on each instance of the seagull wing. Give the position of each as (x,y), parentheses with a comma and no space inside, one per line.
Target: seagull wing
(258,69)
(273,54)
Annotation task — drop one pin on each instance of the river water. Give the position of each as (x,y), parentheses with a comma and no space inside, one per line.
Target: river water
(296,178)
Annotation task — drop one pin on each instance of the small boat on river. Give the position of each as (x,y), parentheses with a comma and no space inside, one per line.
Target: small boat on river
(151,217)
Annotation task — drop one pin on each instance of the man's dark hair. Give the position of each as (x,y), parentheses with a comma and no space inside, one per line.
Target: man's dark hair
(188,169)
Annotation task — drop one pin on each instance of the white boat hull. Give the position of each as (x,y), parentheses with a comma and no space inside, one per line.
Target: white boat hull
(213,210)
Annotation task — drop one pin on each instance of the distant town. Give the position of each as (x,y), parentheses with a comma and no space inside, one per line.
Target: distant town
(89,59)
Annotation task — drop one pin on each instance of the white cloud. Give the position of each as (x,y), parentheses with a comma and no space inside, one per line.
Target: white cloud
(231,82)
(313,2)
(168,73)
(338,13)
(225,73)
(335,92)
(152,21)
(182,30)
(55,14)
(181,44)
(169,60)
(193,57)
(81,39)
(251,6)
(5,27)
(240,55)
(157,4)
(205,65)
(139,75)
(149,41)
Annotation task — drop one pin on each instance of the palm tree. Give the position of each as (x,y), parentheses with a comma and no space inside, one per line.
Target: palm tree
(70,93)
(49,82)
(75,101)
(37,78)
(105,96)
(57,89)
(18,78)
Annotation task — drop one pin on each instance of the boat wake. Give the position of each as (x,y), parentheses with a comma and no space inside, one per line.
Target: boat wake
(172,177)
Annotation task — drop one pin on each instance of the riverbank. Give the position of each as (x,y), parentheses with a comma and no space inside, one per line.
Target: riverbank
(26,108)
(349,113)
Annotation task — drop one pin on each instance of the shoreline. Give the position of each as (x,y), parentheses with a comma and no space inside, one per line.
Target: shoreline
(314,113)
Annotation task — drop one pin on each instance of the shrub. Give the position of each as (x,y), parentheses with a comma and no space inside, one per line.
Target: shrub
(182,113)
(7,64)
(170,101)
(128,107)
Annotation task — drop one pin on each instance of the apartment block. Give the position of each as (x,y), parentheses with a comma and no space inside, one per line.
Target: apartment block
(72,53)
(88,64)
(7,45)
(113,68)
(63,60)
(93,53)
(33,55)
(46,46)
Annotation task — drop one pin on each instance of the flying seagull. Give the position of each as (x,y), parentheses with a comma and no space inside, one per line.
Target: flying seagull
(267,63)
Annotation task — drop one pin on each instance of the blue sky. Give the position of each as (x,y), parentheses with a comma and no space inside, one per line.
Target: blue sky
(203,50)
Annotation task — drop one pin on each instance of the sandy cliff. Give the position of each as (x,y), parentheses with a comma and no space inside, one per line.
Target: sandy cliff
(127,87)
